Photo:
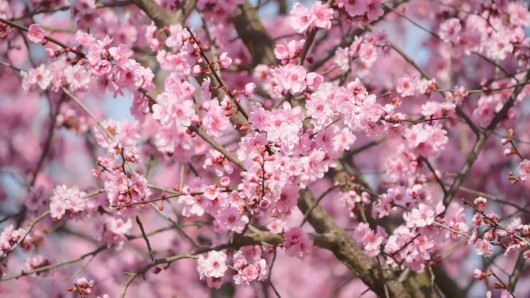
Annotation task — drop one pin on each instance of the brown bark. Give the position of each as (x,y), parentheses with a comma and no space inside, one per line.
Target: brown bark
(162,17)
(253,34)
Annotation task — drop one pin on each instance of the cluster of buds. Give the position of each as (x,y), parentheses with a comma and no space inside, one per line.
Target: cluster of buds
(480,275)
(509,140)
(82,286)
(52,54)
(69,119)
(5,29)
(260,177)
(480,203)
(249,90)
(10,238)
(36,263)
(512,239)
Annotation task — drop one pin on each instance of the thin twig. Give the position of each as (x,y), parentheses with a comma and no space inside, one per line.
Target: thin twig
(57,265)
(270,275)
(145,238)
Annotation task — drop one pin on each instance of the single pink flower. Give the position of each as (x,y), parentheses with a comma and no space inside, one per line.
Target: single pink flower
(36,34)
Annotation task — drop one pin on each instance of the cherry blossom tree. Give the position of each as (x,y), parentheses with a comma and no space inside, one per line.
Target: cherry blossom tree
(193,148)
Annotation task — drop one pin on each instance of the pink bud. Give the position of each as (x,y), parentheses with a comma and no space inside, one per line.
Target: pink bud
(225,182)
(196,70)
(479,274)
(314,80)
(249,89)
(50,53)
(224,60)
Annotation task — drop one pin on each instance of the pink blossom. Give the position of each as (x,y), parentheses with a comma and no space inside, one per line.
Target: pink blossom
(277,226)
(518,14)
(430,108)
(9,237)
(150,35)
(112,231)
(322,15)
(40,76)
(420,217)
(77,77)
(215,122)
(225,181)
(368,53)
(297,243)
(36,262)
(320,111)
(191,205)
(300,17)
(288,52)
(370,241)
(230,219)
(354,8)
(169,110)
(450,30)
(286,200)
(212,266)
(36,34)
(374,10)
(483,248)
(178,36)
(426,140)
(406,86)
(249,89)
(479,274)
(313,80)
(293,78)
(232,156)
(500,45)
(224,60)
(524,169)
(82,286)
(342,59)
(480,202)
(84,38)
(66,199)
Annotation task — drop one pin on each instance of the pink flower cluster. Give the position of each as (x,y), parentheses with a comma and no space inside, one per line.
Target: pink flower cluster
(214,266)
(303,19)
(365,11)
(370,241)
(510,238)
(9,238)
(250,266)
(66,200)
(362,54)
(297,243)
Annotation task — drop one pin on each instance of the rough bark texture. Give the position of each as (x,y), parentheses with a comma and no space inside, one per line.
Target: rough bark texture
(253,34)
(163,18)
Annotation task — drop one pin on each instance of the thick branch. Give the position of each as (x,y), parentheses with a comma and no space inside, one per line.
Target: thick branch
(253,34)
(162,17)
(367,269)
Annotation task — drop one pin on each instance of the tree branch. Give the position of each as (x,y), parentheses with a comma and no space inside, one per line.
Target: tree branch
(253,34)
